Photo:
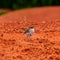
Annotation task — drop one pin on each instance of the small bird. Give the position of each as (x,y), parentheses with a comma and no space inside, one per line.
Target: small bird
(29,32)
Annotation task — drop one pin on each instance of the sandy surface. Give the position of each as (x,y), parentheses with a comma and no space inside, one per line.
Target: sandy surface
(44,44)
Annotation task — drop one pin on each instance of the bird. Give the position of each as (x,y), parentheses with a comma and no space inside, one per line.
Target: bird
(29,31)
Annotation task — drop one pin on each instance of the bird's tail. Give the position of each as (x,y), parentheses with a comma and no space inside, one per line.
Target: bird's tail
(24,29)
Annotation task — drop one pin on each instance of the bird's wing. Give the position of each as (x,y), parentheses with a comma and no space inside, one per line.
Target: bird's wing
(26,31)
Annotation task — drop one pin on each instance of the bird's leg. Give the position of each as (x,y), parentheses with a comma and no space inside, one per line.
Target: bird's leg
(29,38)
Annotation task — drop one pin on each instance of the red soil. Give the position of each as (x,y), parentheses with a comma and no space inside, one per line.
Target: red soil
(45,42)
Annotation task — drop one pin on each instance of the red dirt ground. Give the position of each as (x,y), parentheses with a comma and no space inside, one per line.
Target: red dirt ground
(45,42)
